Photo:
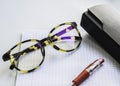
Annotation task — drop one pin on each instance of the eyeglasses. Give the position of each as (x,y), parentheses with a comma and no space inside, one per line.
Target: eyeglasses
(64,37)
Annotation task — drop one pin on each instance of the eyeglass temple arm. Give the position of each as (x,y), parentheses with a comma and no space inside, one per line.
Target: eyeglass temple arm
(42,44)
(38,45)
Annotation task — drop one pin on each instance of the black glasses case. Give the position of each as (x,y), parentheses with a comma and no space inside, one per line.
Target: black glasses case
(102,22)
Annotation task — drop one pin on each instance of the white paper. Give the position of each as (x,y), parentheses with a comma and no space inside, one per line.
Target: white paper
(59,69)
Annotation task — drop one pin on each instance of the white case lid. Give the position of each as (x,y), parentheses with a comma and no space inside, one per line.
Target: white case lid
(110,17)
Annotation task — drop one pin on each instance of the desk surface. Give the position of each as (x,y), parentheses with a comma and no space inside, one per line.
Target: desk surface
(25,15)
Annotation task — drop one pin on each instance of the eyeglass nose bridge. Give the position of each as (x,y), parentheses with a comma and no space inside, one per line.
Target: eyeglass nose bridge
(46,41)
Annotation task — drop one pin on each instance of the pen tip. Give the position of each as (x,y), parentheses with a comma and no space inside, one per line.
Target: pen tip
(74,84)
(101,60)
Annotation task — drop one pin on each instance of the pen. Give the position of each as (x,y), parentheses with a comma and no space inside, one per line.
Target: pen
(87,72)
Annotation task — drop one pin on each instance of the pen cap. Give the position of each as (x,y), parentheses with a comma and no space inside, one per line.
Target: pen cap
(102,22)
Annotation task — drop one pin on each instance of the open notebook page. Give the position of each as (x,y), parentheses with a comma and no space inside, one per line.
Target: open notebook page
(59,69)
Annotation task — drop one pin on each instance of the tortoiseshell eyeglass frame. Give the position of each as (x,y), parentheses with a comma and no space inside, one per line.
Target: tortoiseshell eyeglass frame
(50,40)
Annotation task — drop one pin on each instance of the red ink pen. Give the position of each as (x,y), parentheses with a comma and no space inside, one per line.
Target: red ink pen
(87,72)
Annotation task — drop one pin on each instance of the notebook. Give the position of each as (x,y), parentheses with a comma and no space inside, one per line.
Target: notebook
(59,69)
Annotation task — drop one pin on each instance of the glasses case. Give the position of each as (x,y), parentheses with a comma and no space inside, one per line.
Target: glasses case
(102,22)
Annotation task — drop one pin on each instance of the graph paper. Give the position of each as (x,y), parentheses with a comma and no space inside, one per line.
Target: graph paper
(59,69)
